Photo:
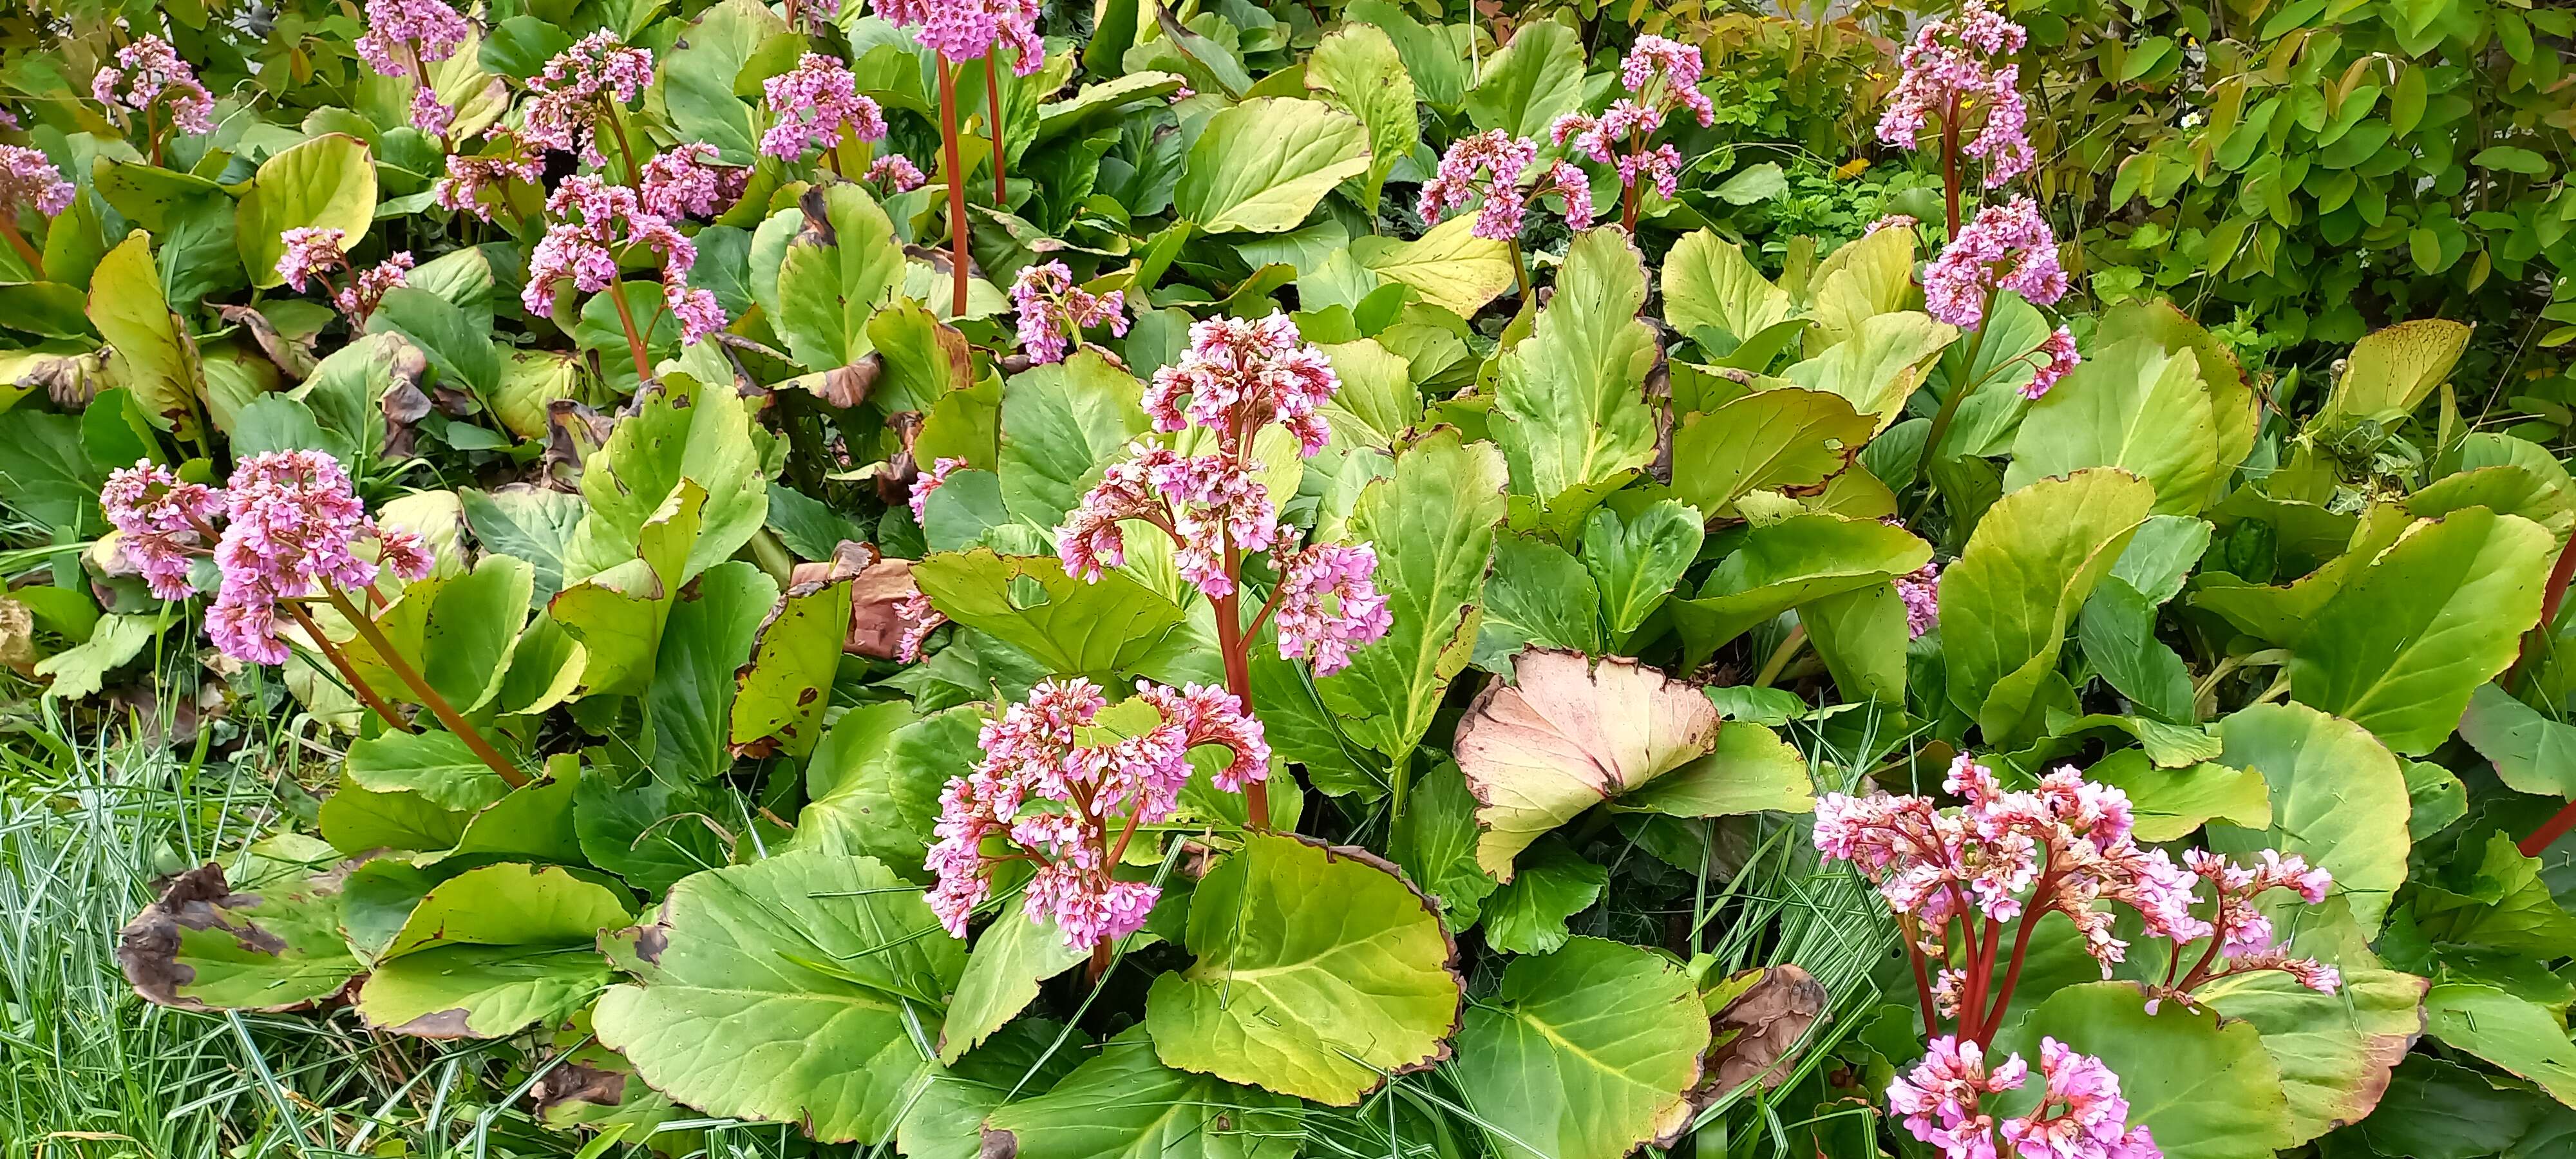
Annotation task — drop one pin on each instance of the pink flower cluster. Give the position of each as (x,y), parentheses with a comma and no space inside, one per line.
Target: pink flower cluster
(293,519)
(895,173)
(592,221)
(1677,65)
(1053,311)
(403,37)
(2057,355)
(1358,614)
(2005,247)
(579,85)
(817,104)
(1660,75)
(929,481)
(1239,376)
(2081,1114)
(1208,504)
(29,180)
(1920,590)
(1100,794)
(970,29)
(1904,221)
(919,617)
(149,73)
(1949,69)
(468,177)
(1489,165)
(686,181)
(312,253)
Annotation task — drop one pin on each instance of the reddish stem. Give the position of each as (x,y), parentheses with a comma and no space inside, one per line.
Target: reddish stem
(2559,823)
(1922,981)
(18,241)
(1950,164)
(2551,597)
(956,181)
(993,97)
(1994,1019)
(1231,641)
(437,704)
(348,672)
(634,341)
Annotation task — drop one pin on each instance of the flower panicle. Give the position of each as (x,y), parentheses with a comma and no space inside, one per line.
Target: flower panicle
(1053,311)
(817,104)
(149,75)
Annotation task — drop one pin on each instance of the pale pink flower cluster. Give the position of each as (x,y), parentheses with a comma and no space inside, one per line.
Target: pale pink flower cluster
(403,38)
(1660,75)
(895,173)
(2057,356)
(1095,794)
(468,177)
(577,87)
(592,220)
(1489,165)
(1949,69)
(161,523)
(686,181)
(29,180)
(313,252)
(919,617)
(1053,311)
(2064,846)
(1206,503)
(1905,221)
(1920,590)
(1677,65)
(149,72)
(2005,247)
(1357,616)
(1239,376)
(2081,1114)
(971,29)
(293,519)
(817,104)
(931,480)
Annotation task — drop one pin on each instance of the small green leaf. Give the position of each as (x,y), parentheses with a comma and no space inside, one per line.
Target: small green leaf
(780,693)
(1434,839)
(1708,282)
(1062,425)
(2009,598)
(1527,915)
(2133,406)
(493,950)
(2513,1033)
(436,765)
(272,945)
(1103,630)
(1785,437)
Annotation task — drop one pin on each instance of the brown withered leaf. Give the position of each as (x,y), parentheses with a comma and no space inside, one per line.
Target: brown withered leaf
(272,948)
(1755,1036)
(293,356)
(875,629)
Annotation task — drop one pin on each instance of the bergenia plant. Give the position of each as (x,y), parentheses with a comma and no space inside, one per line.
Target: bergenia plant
(1662,76)
(583,87)
(403,38)
(818,105)
(313,255)
(290,531)
(1487,167)
(1953,72)
(959,31)
(589,222)
(1054,312)
(29,180)
(150,88)
(1968,886)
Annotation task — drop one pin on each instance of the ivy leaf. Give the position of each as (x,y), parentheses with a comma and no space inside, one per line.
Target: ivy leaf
(1567,735)
(492,950)
(2404,644)
(2335,1051)
(1584,1053)
(2131,406)
(1569,406)
(327,182)
(788,990)
(2009,598)
(2338,798)
(1123,1104)
(2206,1090)
(273,945)
(1319,971)
(1527,915)
(1261,166)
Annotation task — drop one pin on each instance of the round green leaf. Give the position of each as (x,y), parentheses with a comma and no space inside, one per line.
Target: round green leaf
(2338,799)
(2335,1051)
(1261,166)
(273,946)
(1320,971)
(2205,1090)
(328,182)
(493,950)
(1122,1104)
(1583,1053)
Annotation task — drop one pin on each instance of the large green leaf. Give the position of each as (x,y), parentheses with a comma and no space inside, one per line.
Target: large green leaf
(2390,372)
(2498,903)
(2131,406)
(790,989)
(1432,523)
(2233,408)
(458,344)
(1569,403)
(1072,628)
(2335,1051)
(617,615)
(1861,280)
(1535,79)
(159,359)
(1261,166)
(2510,1031)
(2174,803)
(1010,958)
(436,765)
(679,431)
(832,274)
(327,182)
(1708,282)
(1319,971)
(2531,753)
(1449,266)
(2402,646)
(273,945)
(2338,798)
(1877,370)
(1751,770)
(780,693)
(1783,565)
(876,777)
(1785,437)
(713,627)
(493,950)
(1358,69)
(1527,915)
(699,77)
(473,625)
(2206,1090)
(2008,600)
(1538,594)
(1567,735)
(1434,839)
(1584,1053)
(1123,1104)
(1062,425)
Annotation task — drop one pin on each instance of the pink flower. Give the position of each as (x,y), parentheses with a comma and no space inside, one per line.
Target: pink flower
(293,522)
(567,99)
(162,523)
(2080,1114)
(919,618)
(929,481)
(970,29)
(1325,636)
(590,221)
(1208,504)
(1949,68)
(1920,589)
(1564,180)
(1099,792)
(29,180)
(149,73)
(468,178)
(2006,247)
(1053,311)
(403,37)
(1238,376)
(313,253)
(1891,221)
(1679,66)
(2057,356)
(686,181)
(1486,165)
(1940,1098)
(817,104)
(895,173)
(429,115)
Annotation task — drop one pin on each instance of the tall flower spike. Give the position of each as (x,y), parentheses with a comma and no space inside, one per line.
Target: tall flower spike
(591,221)
(29,180)
(1950,68)
(1206,504)
(1677,65)
(149,72)
(1054,311)
(1238,376)
(2006,247)
(293,523)
(971,29)
(817,104)
(577,88)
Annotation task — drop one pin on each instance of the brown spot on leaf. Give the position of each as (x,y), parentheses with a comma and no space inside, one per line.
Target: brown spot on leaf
(293,356)
(148,947)
(573,1082)
(998,1144)
(450,1023)
(1756,1036)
